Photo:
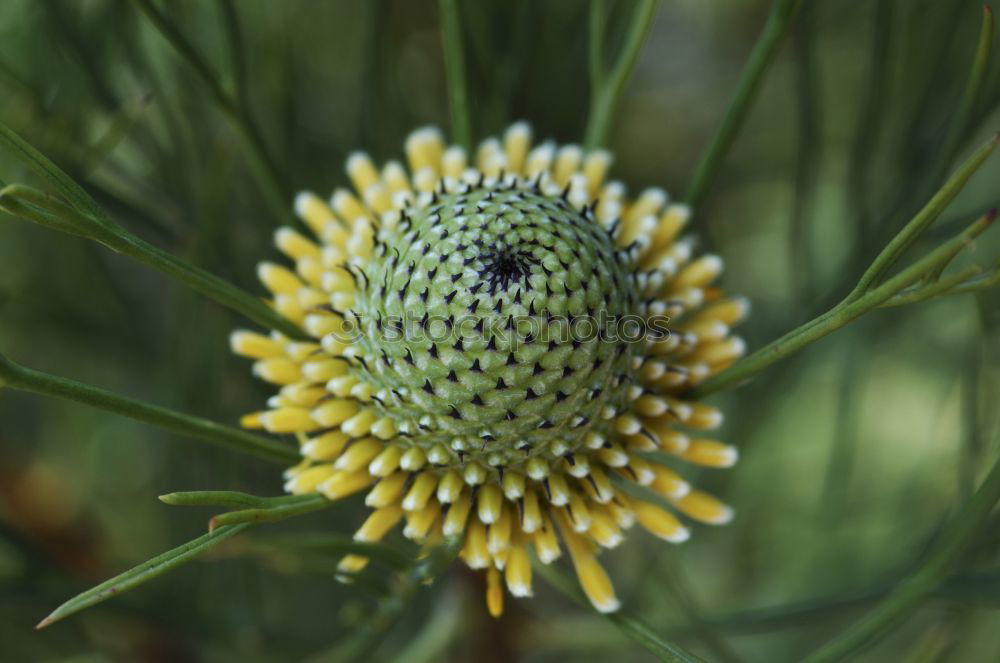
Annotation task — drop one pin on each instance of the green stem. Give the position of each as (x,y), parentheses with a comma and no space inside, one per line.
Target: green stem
(20,378)
(870,126)
(435,639)
(988,280)
(228,498)
(276,192)
(454,63)
(303,504)
(843,313)
(234,45)
(809,156)
(122,122)
(406,584)
(861,299)
(957,587)
(607,89)
(911,592)
(43,167)
(961,124)
(841,462)
(676,583)
(595,51)
(778,21)
(923,219)
(142,573)
(629,624)
(945,286)
(44,209)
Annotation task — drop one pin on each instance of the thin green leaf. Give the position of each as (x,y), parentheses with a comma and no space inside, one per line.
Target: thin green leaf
(961,123)
(370,634)
(142,573)
(234,45)
(979,586)
(871,121)
(809,116)
(631,625)
(26,208)
(270,514)
(275,190)
(597,22)
(229,498)
(988,280)
(945,286)
(865,295)
(122,122)
(20,378)
(607,88)
(51,173)
(909,593)
(46,210)
(437,635)
(778,22)
(454,61)
(891,254)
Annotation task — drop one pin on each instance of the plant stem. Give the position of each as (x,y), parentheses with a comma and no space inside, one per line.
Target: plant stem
(909,593)
(778,22)
(597,21)
(42,166)
(142,573)
(869,128)
(956,587)
(809,117)
(454,62)
(943,287)
(632,626)
(960,126)
(405,585)
(270,514)
(234,45)
(865,295)
(843,313)
(21,378)
(228,498)
(987,280)
(48,211)
(923,219)
(276,192)
(447,623)
(606,87)
(676,583)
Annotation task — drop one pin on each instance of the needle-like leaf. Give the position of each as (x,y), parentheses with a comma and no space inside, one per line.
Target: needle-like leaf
(15,376)
(47,210)
(142,573)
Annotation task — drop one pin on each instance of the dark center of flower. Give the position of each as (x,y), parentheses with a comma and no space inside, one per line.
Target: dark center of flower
(504,266)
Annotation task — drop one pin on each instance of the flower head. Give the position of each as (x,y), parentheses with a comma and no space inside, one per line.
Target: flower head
(494,345)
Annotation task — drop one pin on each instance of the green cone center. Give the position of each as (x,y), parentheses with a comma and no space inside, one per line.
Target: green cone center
(488,325)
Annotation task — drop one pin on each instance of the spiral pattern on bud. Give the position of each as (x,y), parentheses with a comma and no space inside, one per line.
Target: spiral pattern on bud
(492,344)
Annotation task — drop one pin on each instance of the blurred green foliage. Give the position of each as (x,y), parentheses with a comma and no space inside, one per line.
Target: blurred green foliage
(854,452)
